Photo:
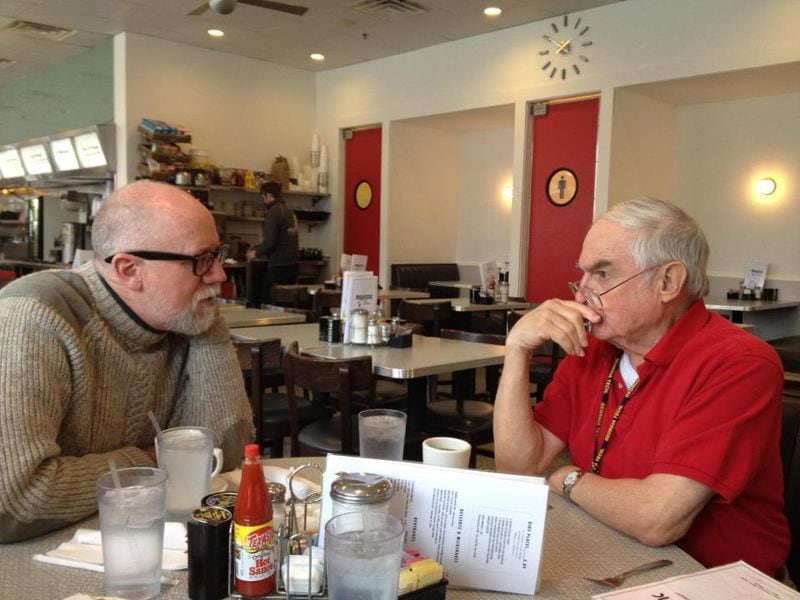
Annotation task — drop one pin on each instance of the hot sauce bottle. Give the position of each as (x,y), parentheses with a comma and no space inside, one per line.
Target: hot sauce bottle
(253,533)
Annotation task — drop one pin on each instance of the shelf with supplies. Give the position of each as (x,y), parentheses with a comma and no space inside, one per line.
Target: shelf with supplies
(316,197)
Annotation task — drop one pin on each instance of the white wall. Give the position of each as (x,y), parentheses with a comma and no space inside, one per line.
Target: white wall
(721,150)
(634,42)
(484,169)
(245,112)
(423,187)
(642,148)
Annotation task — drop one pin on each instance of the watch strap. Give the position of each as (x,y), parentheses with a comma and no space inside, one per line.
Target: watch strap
(570,480)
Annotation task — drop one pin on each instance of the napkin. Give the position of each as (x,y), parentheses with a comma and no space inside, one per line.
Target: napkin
(85,550)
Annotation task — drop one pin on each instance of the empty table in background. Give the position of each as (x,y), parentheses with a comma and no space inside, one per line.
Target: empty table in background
(256,317)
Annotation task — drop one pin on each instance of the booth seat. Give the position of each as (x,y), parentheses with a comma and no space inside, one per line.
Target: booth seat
(417,276)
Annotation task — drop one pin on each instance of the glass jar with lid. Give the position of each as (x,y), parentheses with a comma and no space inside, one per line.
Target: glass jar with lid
(361,492)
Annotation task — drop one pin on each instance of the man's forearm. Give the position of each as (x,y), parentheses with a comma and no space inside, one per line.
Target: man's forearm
(519,442)
(656,510)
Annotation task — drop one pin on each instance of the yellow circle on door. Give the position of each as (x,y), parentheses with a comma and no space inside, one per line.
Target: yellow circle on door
(363,195)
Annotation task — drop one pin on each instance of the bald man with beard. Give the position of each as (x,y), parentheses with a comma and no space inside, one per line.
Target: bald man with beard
(88,353)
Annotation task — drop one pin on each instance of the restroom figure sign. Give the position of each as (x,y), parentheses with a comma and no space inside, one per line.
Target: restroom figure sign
(561,187)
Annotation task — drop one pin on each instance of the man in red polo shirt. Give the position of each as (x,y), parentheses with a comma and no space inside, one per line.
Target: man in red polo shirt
(671,414)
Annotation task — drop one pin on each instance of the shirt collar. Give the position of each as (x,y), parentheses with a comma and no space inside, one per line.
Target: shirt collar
(677,336)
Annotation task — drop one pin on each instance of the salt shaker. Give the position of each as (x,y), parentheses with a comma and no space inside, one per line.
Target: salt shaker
(358,326)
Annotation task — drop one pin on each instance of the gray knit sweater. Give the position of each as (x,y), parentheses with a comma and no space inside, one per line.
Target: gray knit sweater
(78,375)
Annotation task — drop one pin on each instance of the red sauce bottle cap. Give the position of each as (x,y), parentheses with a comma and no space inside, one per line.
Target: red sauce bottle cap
(252,451)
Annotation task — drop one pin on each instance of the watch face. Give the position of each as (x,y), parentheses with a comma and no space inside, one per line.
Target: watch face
(566,50)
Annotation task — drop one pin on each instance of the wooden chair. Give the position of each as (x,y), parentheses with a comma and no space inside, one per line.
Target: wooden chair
(544,360)
(467,416)
(328,380)
(290,296)
(271,412)
(431,315)
(790,454)
(324,300)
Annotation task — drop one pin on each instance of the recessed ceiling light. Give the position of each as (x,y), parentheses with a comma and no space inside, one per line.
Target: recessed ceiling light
(317,56)
(216,32)
(492,11)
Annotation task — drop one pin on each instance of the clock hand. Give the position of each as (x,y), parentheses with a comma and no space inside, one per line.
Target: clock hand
(563,47)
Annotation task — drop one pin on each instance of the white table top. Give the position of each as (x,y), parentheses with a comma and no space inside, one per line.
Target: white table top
(390,294)
(256,317)
(749,305)
(426,356)
(464,305)
(462,285)
(575,546)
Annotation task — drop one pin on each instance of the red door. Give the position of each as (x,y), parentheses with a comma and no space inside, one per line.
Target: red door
(562,195)
(362,189)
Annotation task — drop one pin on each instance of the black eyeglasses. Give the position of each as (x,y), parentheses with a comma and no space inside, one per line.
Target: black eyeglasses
(201,263)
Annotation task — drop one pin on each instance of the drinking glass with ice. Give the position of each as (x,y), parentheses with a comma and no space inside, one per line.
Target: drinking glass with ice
(132,512)
(381,433)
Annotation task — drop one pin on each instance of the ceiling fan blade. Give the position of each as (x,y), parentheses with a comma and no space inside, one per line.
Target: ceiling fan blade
(199,10)
(287,8)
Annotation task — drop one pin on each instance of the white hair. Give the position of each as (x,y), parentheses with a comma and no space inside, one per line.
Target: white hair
(664,233)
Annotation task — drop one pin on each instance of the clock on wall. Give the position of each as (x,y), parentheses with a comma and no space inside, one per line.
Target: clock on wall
(566,48)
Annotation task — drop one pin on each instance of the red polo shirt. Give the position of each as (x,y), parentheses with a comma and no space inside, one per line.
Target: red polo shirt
(708,408)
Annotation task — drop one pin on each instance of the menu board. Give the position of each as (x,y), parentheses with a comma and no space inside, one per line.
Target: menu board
(36,160)
(11,164)
(90,152)
(64,154)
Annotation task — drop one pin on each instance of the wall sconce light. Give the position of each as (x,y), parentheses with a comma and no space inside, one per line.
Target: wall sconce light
(765,186)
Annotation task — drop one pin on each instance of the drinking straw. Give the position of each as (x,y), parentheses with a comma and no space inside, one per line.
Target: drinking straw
(154,422)
(114,476)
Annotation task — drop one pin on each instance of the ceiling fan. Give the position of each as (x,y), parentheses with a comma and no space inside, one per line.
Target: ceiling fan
(225,7)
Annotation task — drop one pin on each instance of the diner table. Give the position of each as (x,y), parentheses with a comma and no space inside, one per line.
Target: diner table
(737,307)
(463,305)
(426,356)
(237,317)
(575,546)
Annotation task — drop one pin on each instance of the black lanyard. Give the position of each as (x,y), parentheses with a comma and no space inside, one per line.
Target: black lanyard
(598,454)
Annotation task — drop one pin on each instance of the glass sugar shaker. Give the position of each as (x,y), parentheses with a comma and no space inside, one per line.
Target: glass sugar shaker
(361,492)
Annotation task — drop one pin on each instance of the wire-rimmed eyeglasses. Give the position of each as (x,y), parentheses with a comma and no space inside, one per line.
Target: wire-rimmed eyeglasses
(593,297)
(201,263)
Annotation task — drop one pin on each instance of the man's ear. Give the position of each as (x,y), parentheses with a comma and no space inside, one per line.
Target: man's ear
(127,271)
(672,281)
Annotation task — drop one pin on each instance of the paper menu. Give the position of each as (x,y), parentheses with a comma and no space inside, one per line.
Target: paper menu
(485,528)
(736,581)
(488,272)
(359,290)
(756,275)
(358,262)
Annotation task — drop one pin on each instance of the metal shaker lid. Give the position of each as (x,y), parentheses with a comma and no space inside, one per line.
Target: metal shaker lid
(361,488)
(277,492)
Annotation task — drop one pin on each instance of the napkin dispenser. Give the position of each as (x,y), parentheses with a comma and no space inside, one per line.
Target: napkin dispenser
(402,339)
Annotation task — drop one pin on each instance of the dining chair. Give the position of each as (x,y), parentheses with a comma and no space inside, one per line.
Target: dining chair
(290,296)
(271,414)
(467,415)
(323,301)
(332,382)
(790,455)
(431,315)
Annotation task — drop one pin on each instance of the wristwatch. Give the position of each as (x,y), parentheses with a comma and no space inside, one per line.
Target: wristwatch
(569,482)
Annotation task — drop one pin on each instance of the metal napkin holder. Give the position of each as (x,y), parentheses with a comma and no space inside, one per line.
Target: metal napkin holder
(291,539)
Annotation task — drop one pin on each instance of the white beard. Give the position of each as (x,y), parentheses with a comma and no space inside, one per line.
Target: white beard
(189,322)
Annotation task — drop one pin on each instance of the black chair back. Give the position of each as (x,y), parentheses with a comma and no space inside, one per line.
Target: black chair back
(432,315)
(332,380)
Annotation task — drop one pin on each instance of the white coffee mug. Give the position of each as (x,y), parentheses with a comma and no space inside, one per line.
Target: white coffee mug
(446,452)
